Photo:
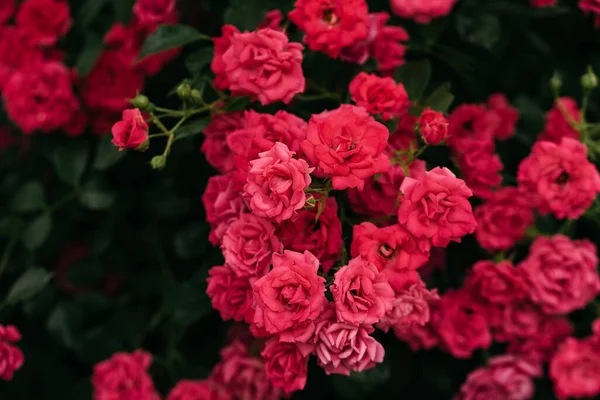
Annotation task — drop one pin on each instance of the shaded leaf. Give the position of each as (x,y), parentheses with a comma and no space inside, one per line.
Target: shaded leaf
(192,128)
(168,37)
(10,225)
(198,60)
(92,48)
(415,77)
(440,99)
(191,241)
(96,196)
(30,197)
(107,154)
(28,285)
(70,161)
(88,12)
(37,232)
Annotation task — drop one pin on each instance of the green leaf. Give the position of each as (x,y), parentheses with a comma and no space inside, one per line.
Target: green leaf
(192,128)
(30,197)
(88,12)
(168,37)
(238,104)
(65,324)
(10,225)
(70,161)
(187,303)
(246,15)
(92,47)
(107,154)
(191,241)
(123,10)
(85,273)
(37,232)
(440,99)
(198,60)
(96,196)
(415,76)
(480,29)
(28,285)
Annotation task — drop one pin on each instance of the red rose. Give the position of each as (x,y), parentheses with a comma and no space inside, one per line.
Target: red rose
(436,207)
(230,294)
(517,320)
(481,167)
(131,132)
(360,52)
(13,54)
(11,357)
(379,96)
(506,114)
(500,283)
(541,346)
(154,12)
(7,10)
(557,126)
(388,49)
(592,6)
(321,236)
(418,337)
(330,26)
(562,273)
(560,177)
(217,65)
(543,3)
(347,144)
(290,293)
(215,147)
(197,390)
(422,11)
(43,21)
(469,123)
(264,65)
(124,376)
(286,364)
(272,20)
(433,126)
(575,369)
(503,220)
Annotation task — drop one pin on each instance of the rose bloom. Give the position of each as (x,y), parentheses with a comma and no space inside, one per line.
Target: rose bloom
(322,236)
(562,273)
(388,49)
(348,144)
(436,207)
(215,146)
(499,283)
(154,12)
(360,293)
(248,245)
(124,376)
(276,184)
(433,126)
(286,364)
(404,137)
(330,26)
(264,65)
(518,320)
(557,126)
(243,375)
(543,3)
(418,337)
(43,21)
(11,357)
(290,293)
(197,390)
(217,65)
(40,97)
(504,377)
(481,168)
(342,348)
(506,114)
(131,132)
(381,194)
(469,123)
(541,347)
(503,219)
(13,54)
(379,96)
(575,369)
(461,324)
(592,6)
(360,52)
(389,247)
(422,11)
(230,295)
(273,20)
(7,10)
(223,204)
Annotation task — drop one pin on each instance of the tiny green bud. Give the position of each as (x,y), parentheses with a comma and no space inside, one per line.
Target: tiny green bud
(158,162)
(589,81)
(140,101)
(184,91)
(555,82)
(196,96)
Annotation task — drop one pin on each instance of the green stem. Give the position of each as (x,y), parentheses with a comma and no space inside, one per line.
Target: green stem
(157,135)
(61,202)
(160,125)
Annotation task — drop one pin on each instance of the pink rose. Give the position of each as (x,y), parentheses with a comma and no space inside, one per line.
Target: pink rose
(131,132)
(422,11)
(360,52)
(218,65)
(481,167)
(215,146)
(286,364)
(390,247)
(379,96)
(299,333)
(272,20)
(575,369)
(541,346)
(43,21)
(248,245)
(557,126)
(360,293)
(321,236)
(11,357)
(469,123)
(154,12)
(13,54)
(197,390)
(433,126)
(347,144)
(507,115)
(264,65)
(230,295)
(560,177)
(500,283)
(436,207)
(520,319)
(504,377)
(223,204)
(389,48)
(342,348)
(562,273)
(7,10)
(503,219)
(290,293)
(276,184)
(399,280)
(543,3)
(418,337)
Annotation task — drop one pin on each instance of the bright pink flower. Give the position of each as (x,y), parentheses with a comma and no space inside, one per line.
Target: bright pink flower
(197,390)
(436,207)
(419,337)
(322,236)
(124,376)
(290,293)
(273,20)
(286,364)
(389,247)
(461,324)
(131,132)
(520,319)
(504,377)
(223,204)
(506,115)
(243,375)
(7,10)
(560,177)
(379,96)
(248,245)
(40,97)
(264,65)
(222,44)
(215,146)
(557,126)
(14,55)
(562,273)
(542,345)
(360,293)
(500,283)
(348,144)
(330,26)
(592,6)
(433,126)
(469,123)
(230,295)
(43,22)
(543,3)
(422,11)
(300,333)
(410,307)
(11,357)
(276,184)
(389,49)
(575,369)
(342,348)
(360,52)
(503,220)
(154,12)
(481,168)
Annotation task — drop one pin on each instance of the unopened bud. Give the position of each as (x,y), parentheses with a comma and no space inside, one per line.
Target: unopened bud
(196,96)
(555,82)
(589,81)
(140,101)
(144,146)
(310,201)
(158,162)
(184,91)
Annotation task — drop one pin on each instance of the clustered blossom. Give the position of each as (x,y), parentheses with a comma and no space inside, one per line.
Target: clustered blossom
(11,357)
